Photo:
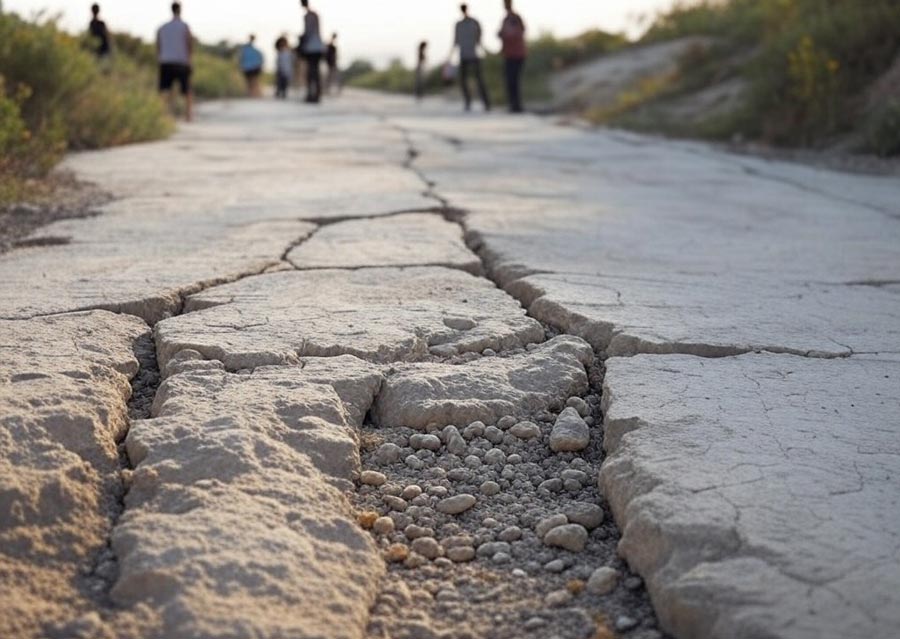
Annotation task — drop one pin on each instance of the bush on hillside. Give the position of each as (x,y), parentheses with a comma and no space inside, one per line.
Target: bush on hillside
(807,61)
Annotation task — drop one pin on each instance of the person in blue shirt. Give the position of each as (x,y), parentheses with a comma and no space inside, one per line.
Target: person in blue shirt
(251,61)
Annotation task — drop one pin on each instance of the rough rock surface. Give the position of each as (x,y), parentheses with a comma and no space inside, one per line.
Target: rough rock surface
(414,239)
(798,523)
(63,393)
(384,315)
(250,462)
(417,395)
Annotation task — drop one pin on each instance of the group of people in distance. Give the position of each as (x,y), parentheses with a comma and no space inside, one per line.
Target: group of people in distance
(310,52)
(175,48)
(467,40)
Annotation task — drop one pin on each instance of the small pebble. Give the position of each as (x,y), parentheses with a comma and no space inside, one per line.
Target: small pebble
(555,566)
(583,408)
(588,515)
(428,547)
(372,478)
(570,433)
(633,583)
(387,454)
(457,445)
(383,525)
(513,533)
(603,581)
(495,457)
(625,623)
(415,532)
(506,422)
(493,434)
(396,553)
(489,488)
(421,441)
(460,554)
(558,598)
(414,462)
(456,504)
(526,430)
(394,503)
(546,524)
(411,492)
(572,537)
(367,519)
(475,429)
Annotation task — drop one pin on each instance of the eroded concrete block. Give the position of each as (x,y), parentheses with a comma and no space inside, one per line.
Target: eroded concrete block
(757,494)
(237,483)
(63,393)
(380,315)
(415,239)
(416,395)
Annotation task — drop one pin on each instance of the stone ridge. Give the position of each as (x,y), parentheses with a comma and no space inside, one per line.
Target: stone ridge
(424,395)
(381,315)
(238,485)
(733,541)
(63,394)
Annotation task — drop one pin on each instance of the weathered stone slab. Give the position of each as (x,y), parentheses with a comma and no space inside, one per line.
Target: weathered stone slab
(712,318)
(63,393)
(758,494)
(416,395)
(234,524)
(415,239)
(136,263)
(381,315)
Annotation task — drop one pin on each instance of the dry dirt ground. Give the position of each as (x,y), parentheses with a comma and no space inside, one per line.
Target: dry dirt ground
(381,371)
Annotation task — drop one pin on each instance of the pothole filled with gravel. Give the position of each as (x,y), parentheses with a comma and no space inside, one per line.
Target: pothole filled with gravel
(498,530)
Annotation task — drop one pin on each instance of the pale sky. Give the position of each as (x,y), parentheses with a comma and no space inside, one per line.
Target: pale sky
(373,29)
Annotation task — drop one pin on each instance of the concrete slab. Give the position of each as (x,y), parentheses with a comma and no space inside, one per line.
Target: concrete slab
(234,525)
(63,393)
(380,315)
(415,239)
(758,495)
(418,395)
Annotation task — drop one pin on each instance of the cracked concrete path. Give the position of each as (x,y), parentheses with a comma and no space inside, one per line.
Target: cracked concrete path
(397,347)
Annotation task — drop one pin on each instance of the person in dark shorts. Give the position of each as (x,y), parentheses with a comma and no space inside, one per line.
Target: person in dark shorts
(512,34)
(312,48)
(251,62)
(284,67)
(174,48)
(99,33)
(468,40)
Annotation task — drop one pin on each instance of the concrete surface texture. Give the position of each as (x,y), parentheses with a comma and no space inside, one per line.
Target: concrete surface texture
(434,375)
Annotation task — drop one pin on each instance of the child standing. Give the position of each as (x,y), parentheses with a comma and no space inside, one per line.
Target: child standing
(284,67)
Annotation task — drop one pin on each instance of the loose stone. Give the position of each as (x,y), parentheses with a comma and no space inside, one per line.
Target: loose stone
(492,548)
(456,504)
(513,533)
(460,474)
(583,408)
(572,537)
(460,554)
(588,515)
(372,478)
(506,422)
(495,457)
(634,583)
(502,558)
(421,441)
(457,445)
(547,524)
(570,433)
(428,547)
(396,553)
(493,434)
(414,462)
(578,475)
(603,581)
(383,525)
(394,503)
(625,623)
(558,598)
(526,430)
(572,486)
(415,560)
(460,323)
(387,454)
(555,566)
(472,461)
(367,519)
(415,532)
(473,430)
(490,488)
(411,492)
(553,485)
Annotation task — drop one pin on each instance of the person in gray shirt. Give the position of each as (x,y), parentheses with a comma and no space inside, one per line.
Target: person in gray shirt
(468,40)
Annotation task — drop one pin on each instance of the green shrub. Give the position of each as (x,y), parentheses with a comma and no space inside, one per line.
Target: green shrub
(882,134)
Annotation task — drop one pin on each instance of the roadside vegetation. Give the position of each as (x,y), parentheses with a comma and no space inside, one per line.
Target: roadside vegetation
(547,55)
(55,97)
(809,71)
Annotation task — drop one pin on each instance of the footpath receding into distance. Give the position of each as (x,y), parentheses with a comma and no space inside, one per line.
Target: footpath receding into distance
(373,370)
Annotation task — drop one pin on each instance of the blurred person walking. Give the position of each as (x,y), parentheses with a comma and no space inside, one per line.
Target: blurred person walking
(312,48)
(468,40)
(333,79)
(284,67)
(251,63)
(421,70)
(99,32)
(175,49)
(512,34)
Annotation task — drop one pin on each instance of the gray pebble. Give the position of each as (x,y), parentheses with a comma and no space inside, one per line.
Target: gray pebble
(387,454)
(490,488)
(456,504)
(572,537)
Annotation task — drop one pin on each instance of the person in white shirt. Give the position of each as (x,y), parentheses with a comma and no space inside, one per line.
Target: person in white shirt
(175,48)
(312,48)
